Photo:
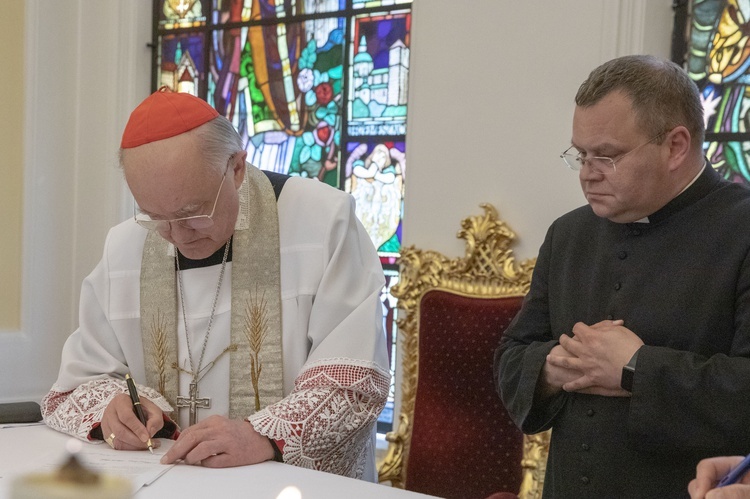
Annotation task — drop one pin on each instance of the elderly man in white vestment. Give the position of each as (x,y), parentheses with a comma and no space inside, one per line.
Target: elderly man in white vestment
(244,304)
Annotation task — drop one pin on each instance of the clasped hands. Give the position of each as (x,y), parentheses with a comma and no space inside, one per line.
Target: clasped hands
(591,361)
(215,442)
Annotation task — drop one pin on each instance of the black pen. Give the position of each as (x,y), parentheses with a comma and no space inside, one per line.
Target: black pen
(137,406)
(736,474)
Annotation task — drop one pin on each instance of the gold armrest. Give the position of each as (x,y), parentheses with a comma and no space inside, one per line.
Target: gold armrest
(534,464)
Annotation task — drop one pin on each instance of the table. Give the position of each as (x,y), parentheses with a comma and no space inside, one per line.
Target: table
(27,449)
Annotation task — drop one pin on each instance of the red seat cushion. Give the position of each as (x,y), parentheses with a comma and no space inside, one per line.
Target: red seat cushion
(463,443)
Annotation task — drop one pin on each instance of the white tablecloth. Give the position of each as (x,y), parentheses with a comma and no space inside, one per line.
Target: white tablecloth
(34,449)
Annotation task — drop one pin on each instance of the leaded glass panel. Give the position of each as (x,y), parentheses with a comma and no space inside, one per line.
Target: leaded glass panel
(730,159)
(282,88)
(717,58)
(379,74)
(180,62)
(390,314)
(231,11)
(316,88)
(366,4)
(181,14)
(324,6)
(227,11)
(375,178)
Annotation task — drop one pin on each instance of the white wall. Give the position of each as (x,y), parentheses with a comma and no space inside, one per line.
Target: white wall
(491,102)
(87,66)
(491,90)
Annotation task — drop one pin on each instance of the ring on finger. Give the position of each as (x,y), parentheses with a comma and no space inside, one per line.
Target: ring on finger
(110,440)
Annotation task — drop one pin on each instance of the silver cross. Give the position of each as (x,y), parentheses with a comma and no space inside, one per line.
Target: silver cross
(193,402)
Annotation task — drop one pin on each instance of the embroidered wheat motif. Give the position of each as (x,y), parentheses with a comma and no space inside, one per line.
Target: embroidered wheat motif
(159,353)
(256,330)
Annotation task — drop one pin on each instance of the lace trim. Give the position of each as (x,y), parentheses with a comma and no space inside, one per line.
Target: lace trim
(326,421)
(77,411)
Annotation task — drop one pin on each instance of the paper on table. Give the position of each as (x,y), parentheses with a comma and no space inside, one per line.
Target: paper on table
(141,467)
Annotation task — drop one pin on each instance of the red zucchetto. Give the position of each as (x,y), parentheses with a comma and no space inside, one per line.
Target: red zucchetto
(165,114)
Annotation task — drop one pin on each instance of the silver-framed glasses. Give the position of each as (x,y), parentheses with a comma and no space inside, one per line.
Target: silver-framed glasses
(194,222)
(599,164)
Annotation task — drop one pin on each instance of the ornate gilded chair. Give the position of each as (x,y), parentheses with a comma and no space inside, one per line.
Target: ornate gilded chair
(455,438)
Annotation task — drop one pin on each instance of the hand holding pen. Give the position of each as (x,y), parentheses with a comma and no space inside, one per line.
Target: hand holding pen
(715,475)
(736,474)
(137,406)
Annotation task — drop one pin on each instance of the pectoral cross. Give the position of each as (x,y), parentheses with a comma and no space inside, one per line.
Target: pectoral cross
(193,402)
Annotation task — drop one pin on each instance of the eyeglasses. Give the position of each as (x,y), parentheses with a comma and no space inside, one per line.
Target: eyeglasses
(194,222)
(598,164)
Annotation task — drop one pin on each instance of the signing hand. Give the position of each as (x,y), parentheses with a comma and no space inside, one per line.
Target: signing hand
(599,352)
(220,442)
(709,472)
(120,420)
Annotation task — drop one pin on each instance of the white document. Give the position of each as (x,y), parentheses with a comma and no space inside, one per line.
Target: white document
(38,449)
(141,467)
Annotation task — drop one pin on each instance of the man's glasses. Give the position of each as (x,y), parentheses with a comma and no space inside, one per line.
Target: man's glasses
(598,164)
(194,222)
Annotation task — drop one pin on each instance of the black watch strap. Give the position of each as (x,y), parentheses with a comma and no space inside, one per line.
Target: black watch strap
(277,455)
(628,373)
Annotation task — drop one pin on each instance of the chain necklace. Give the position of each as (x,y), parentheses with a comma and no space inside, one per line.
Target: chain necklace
(193,371)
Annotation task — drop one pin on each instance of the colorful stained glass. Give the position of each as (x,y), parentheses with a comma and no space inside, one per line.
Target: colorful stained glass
(316,88)
(718,60)
(379,74)
(390,313)
(375,178)
(366,4)
(282,90)
(231,11)
(181,14)
(730,159)
(180,62)
(279,9)
(323,6)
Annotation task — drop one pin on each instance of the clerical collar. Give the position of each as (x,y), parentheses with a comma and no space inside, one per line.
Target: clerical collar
(215,259)
(703,183)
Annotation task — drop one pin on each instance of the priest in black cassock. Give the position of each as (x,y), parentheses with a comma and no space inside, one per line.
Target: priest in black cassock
(633,343)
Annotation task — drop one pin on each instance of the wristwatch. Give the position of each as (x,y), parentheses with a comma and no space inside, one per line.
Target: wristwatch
(628,373)
(278,456)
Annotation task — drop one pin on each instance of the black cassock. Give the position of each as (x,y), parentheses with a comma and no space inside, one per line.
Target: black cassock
(681,282)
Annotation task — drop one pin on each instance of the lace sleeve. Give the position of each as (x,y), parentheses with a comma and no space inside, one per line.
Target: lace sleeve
(326,422)
(78,411)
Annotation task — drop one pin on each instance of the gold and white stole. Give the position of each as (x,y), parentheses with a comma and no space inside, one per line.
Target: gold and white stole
(256,366)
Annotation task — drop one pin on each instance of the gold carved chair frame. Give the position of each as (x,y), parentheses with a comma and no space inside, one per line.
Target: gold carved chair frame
(487,270)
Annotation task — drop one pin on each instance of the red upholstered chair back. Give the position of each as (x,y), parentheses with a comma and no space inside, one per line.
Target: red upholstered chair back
(454,438)
(463,443)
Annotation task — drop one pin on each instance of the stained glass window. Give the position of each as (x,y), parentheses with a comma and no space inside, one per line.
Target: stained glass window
(390,313)
(711,43)
(316,88)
